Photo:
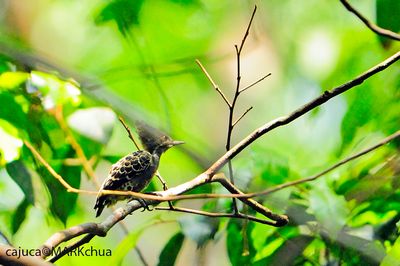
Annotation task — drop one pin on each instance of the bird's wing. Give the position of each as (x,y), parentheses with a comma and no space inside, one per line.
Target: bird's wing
(127,168)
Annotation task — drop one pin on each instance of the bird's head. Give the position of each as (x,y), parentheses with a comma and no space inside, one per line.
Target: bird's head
(153,140)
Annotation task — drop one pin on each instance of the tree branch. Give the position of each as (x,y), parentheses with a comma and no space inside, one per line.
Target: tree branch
(375,28)
(210,174)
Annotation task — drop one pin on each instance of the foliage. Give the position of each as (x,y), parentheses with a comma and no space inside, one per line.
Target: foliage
(142,55)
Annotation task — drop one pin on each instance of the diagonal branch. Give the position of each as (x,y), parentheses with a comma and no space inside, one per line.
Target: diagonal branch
(254,83)
(216,87)
(375,28)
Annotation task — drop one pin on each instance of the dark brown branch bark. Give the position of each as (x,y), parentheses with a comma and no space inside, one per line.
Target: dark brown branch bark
(375,28)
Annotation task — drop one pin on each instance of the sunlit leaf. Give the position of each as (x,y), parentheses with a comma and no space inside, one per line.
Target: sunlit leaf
(288,252)
(54,90)
(10,146)
(128,243)
(393,256)
(11,80)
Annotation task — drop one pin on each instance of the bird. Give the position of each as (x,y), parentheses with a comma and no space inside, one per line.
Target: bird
(135,171)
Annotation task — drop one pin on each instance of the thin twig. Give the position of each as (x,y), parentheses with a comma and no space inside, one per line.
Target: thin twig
(217,215)
(240,117)
(58,115)
(375,28)
(247,30)
(216,87)
(165,187)
(128,130)
(254,83)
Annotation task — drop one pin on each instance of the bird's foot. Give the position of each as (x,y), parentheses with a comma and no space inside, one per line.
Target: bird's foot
(144,205)
(142,202)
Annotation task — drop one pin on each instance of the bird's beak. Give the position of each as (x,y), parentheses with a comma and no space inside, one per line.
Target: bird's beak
(177,142)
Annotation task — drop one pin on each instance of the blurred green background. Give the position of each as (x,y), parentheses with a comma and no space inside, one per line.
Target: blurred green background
(99,59)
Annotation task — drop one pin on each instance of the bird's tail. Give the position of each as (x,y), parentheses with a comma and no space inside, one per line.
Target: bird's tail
(100,204)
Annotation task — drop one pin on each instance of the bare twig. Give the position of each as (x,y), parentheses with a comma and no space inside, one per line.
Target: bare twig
(217,215)
(128,130)
(247,30)
(254,83)
(58,114)
(375,28)
(240,117)
(216,87)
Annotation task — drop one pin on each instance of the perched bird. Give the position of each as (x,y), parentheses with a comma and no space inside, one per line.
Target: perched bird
(134,171)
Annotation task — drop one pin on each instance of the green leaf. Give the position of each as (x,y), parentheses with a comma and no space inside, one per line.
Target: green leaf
(55,91)
(358,114)
(276,169)
(37,133)
(234,243)
(393,256)
(378,184)
(125,13)
(288,252)
(62,201)
(10,146)
(11,111)
(21,176)
(95,123)
(171,250)
(12,80)
(128,243)
(329,208)
(19,215)
(198,228)
(387,17)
